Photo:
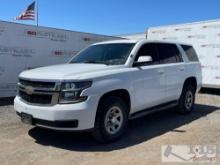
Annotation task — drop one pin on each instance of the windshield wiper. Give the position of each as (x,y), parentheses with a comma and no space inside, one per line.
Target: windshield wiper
(72,62)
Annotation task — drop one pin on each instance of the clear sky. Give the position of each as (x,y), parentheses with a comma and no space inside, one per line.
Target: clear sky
(113,17)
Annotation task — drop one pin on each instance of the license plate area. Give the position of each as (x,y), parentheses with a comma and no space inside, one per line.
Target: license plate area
(26,118)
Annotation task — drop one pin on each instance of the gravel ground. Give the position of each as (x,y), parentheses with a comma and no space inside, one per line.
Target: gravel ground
(24,144)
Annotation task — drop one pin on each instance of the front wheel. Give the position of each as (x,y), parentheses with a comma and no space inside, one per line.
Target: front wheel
(111,119)
(187,99)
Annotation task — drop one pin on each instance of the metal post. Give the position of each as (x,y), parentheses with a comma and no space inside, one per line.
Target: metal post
(37,12)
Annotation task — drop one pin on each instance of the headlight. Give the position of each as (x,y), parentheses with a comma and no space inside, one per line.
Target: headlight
(71,91)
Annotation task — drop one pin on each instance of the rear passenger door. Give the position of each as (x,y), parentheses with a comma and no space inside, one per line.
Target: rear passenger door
(174,69)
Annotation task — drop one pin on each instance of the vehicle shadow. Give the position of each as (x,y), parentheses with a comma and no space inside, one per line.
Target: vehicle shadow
(6,101)
(139,130)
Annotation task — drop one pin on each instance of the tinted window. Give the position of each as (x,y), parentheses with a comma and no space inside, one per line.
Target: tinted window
(168,53)
(177,53)
(190,53)
(148,50)
(109,54)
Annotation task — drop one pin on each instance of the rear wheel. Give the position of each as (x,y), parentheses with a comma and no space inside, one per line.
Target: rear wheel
(187,99)
(111,119)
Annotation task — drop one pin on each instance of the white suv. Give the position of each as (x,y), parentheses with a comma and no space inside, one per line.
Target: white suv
(108,83)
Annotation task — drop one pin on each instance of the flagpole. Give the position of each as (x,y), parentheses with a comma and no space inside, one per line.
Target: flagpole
(37,13)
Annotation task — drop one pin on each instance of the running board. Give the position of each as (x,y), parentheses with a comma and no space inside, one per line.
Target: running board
(153,109)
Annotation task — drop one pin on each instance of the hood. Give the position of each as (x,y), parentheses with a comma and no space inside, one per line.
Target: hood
(64,71)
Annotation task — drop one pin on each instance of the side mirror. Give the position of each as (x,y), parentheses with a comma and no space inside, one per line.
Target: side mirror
(144,59)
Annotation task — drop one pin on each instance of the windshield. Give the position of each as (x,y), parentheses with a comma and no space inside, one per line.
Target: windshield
(108,54)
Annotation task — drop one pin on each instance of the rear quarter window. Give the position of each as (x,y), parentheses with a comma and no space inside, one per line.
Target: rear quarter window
(190,52)
(168,53)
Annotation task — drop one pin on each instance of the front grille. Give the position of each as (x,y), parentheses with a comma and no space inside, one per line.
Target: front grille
(36,98)
(37,92)
(37,84)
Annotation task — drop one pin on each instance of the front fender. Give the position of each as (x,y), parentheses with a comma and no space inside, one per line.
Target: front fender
(100,87)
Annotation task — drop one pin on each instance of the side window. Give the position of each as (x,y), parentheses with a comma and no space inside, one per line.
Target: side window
(190,53)
(178,54)
(168,53)
(148,50)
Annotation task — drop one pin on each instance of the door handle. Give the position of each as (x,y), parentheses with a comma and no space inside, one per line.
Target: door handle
(160,71)
(181,68)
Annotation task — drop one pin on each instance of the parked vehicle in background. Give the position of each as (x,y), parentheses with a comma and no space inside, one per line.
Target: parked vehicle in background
(109,83)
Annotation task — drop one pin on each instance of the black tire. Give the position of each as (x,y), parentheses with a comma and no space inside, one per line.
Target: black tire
(186,106)
(106,106)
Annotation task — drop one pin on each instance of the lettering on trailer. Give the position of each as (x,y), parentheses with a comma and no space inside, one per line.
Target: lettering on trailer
(53,36)
(211,67)
(198,36)
(61,53)
(91,40)
(158,31)
(170,38)
(16,51)
(213,26)
(185,29)
(211,46)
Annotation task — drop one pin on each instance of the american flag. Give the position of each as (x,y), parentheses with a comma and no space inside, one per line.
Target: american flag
(28,14)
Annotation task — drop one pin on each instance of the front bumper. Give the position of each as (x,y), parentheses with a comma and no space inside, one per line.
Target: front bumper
(52,124)
(61,116)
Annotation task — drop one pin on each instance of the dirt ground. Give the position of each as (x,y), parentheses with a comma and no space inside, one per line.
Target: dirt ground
(24,144)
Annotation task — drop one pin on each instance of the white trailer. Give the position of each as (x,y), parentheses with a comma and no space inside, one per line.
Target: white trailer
(205,37)
(24,47)
(134,36)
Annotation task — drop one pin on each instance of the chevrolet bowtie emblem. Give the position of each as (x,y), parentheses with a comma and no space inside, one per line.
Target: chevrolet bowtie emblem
(29,90)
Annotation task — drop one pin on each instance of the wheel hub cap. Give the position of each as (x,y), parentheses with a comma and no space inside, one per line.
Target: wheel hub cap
(189,100)
(113,120)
